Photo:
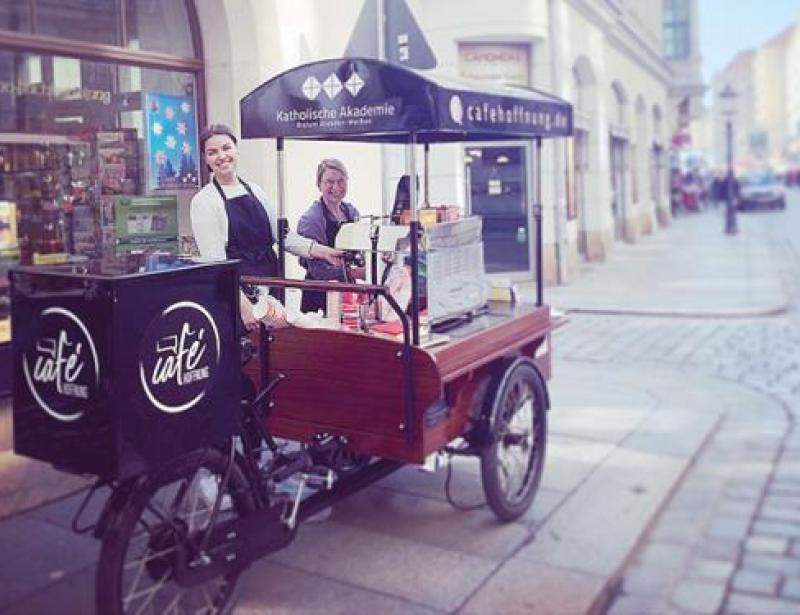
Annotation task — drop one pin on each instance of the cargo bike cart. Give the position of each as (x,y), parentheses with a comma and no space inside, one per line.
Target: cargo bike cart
(129,369)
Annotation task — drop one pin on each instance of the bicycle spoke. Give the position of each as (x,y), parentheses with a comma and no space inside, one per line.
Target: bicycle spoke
(172,607)
(150,593)
(164,519)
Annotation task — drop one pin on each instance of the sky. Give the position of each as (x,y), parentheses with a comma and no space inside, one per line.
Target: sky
(730,26)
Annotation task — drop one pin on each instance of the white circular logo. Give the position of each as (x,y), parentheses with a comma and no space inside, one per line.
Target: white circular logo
(456,109)
(179,357)
(62,369)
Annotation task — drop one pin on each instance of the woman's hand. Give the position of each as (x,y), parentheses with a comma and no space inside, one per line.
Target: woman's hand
(332,255)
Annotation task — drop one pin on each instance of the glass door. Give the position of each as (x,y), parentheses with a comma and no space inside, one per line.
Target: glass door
(500,194)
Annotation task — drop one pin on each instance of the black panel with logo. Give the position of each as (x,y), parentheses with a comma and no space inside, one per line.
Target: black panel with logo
(121,364)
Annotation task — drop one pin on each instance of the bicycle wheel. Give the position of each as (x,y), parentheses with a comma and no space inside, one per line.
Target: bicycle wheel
(156,532)
(512,462)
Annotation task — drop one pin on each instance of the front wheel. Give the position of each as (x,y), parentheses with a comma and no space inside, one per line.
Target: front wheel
(513,460)
(157,533)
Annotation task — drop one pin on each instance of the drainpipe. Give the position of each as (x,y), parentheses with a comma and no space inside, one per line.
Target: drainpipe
(554,34)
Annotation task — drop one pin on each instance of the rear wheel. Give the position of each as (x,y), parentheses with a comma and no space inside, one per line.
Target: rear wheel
(157,533)
(513,460)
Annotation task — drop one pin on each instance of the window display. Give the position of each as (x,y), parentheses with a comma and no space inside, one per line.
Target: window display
(73,132)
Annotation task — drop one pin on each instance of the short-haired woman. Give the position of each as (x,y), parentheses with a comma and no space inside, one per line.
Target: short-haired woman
(321,223)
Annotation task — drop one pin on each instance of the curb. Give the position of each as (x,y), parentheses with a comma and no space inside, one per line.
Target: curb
(753,312)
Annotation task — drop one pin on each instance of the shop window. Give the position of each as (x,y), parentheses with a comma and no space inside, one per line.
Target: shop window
(82,142)
(95,21)
(15,15)
(676,29)
(580,173)
(148,25)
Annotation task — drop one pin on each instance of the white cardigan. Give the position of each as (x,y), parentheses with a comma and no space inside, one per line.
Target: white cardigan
(210,222)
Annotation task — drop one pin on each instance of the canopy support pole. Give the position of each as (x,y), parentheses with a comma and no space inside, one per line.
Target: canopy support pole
(537,214)
(411,169)
(283,224)
(427,172)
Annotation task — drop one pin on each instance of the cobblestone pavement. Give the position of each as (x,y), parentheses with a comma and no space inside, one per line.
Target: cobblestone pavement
(729,539)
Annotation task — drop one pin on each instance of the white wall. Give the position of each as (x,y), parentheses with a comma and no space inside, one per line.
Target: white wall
(247,42)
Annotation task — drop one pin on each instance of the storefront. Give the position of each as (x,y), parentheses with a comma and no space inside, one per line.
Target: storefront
(100,104)
(500,190)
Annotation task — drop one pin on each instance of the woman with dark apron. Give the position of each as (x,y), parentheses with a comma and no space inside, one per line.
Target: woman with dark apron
(321,223)
(233,219)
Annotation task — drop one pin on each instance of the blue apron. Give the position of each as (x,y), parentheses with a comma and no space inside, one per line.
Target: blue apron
(250,236)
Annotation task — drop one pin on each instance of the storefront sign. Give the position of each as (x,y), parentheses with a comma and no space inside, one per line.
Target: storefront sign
(172,152)
(506,63)
(50,92)
(475,111)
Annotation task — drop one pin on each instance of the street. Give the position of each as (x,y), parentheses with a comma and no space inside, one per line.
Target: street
(729,539)
(671,483)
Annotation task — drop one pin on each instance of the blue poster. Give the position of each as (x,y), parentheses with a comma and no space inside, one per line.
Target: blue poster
(172,158)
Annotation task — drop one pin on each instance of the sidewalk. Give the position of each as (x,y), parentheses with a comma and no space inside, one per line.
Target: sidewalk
(621,443)
(690,268)
(616,451)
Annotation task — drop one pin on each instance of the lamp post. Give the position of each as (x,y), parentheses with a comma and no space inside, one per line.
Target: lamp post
(727,98)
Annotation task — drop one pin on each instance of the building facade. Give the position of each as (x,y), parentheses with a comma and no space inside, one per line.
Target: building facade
(614,72)
(740,74)
(766,111)
(98,126)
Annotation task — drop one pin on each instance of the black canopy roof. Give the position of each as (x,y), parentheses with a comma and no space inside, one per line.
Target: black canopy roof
(362,99)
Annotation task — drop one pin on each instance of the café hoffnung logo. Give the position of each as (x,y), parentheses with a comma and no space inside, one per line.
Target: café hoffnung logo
(62,369)
(179,356)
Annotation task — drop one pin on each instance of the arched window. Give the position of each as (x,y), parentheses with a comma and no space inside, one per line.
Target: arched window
(578,89)
(164,26)
(619,109)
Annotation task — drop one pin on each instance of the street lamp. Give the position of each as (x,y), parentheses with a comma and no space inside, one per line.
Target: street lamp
(727,98)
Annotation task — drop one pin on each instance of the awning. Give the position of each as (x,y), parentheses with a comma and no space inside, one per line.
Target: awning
(361,99)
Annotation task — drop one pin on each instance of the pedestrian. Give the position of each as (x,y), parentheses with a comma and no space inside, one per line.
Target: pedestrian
(717,195)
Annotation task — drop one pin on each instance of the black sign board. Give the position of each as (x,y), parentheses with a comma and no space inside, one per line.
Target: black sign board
(115,372)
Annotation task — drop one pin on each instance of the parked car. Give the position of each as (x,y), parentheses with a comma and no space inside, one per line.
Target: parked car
(761,190)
